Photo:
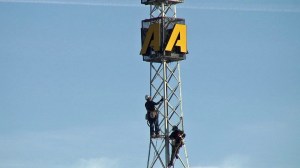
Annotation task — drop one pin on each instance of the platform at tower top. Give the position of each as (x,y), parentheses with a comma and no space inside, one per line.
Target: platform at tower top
(157,2)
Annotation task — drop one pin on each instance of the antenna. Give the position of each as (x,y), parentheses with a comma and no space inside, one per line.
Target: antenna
(164,45)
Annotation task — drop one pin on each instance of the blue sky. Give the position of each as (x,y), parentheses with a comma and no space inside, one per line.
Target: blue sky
(73,84)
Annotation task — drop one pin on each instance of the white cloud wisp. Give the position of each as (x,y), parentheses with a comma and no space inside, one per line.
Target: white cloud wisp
(233,161)
(97,163)
(128,3)
(63,2)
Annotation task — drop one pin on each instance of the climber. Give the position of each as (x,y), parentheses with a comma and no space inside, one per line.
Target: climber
(177,136)
(152,115)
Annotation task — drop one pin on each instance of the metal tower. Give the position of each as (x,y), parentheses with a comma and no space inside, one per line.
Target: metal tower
(164,45)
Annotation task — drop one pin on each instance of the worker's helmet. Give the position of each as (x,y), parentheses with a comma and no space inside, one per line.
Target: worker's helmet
(174,128)
(147,97)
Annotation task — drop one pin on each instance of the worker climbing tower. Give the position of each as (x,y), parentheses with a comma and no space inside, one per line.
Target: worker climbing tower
(164,45)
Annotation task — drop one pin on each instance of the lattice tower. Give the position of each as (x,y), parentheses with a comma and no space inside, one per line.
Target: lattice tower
(165,82)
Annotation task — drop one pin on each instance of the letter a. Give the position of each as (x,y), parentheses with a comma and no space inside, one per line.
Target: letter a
(179,30)
(154,42)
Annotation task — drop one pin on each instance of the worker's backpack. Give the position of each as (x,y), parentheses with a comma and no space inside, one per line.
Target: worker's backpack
(152,114)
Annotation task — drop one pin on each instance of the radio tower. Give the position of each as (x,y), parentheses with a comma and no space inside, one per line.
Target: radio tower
(164,45)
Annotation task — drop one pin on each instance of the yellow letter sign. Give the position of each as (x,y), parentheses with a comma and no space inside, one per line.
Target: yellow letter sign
(177,38)
(179,30)
(153,31)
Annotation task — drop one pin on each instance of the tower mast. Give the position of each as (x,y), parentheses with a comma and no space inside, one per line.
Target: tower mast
(164,45)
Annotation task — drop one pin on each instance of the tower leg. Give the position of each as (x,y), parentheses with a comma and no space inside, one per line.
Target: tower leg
(166,118)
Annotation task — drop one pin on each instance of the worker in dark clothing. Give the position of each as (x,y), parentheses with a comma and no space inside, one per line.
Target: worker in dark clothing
(152,116)
(177,136)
